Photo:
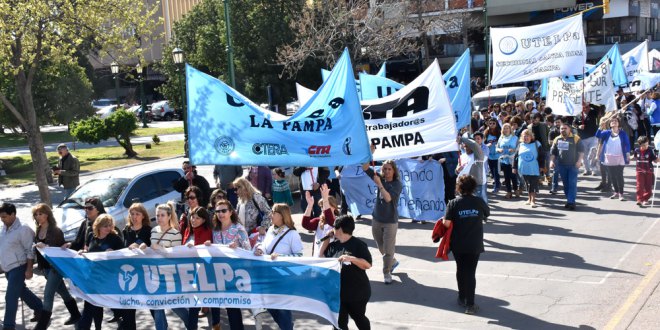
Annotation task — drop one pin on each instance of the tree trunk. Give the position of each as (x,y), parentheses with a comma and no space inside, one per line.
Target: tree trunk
(42,170)
(127,145)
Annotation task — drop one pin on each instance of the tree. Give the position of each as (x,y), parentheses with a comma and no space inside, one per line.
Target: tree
(259,28)
(374,31)
(33,32)
(120,125)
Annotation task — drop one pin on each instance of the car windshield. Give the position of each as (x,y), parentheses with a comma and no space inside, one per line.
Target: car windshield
(102,103)
(482,103)
(108,190)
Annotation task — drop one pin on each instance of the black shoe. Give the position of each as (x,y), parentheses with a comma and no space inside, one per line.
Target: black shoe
(461,302)
(114,319)
(566,205)
(571,207)
(472,309)
(599,186)
(72,307)
(553,192)
(36,316)
(44,321)
(587,173)
(606,189)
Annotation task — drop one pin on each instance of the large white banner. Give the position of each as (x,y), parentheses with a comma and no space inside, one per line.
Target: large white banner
(538,51)
(565,97)
(201,276)
(636,60)
(416,120)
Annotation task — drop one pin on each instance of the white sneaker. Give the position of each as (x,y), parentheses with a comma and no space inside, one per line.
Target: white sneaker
(387,279)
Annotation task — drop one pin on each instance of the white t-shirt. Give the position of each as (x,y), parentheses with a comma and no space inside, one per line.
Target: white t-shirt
(613,152)
(308,178)
(290,244)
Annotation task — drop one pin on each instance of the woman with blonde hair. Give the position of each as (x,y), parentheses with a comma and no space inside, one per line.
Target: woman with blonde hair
(48,234)
(252,208)
(165,235)
(282,239)
(104,238)
(507,145)
(323,224)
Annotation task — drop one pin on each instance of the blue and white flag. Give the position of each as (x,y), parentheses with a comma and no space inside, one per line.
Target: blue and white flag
(325,74)
(538,51)
(200,276)
(566,98)
(616,66)
(457,81)
(224,127)
(382,71)
(636,60)
(375,87)
(422,197)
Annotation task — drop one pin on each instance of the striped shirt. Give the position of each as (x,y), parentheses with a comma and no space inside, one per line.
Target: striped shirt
(171,238)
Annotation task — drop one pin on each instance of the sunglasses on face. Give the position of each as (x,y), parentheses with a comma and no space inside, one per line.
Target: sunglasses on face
(222,210)
(191,198)
(89,208)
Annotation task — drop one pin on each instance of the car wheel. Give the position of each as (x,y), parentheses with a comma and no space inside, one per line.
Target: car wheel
(169,116)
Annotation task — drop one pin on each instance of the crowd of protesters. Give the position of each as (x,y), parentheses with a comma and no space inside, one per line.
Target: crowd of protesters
(519,145)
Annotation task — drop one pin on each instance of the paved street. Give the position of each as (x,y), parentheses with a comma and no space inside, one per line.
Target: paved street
(544,268)
(8,152)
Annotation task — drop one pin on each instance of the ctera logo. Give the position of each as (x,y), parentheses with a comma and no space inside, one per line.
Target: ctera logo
(319,151)
(128,278)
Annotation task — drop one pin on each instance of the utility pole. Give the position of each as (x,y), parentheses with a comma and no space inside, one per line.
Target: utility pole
(486,43)
(230,49)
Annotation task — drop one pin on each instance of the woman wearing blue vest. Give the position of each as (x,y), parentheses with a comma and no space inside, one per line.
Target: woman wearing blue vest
(506,146)
(491,135)
(528,162)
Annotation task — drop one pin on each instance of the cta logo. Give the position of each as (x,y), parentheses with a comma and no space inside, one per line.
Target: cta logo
(128,278)
(319,151)
(224,145)
(269,149)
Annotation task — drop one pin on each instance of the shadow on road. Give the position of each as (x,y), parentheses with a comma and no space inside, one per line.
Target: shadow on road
(445,299)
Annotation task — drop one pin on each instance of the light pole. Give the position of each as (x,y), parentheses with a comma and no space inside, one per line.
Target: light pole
(143,105)
(177,56)
(114,68)
(230,49)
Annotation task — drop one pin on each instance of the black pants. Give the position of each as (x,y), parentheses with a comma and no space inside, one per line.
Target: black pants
(466,267)
(510,179)
(357,310)
(90,313)
(615,174)
(127,319)
(450,184)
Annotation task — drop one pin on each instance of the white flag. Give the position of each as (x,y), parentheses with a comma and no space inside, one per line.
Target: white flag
(636,60)
(538,51)
(565,98)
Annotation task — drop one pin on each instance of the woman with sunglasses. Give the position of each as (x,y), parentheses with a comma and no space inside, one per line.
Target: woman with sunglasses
(104,238)
(48,234)
(228,231)
(93,208)
(199,232)
(193,198)
(253,211)
(282,239)
(165,235)
(491,135)
(216,196)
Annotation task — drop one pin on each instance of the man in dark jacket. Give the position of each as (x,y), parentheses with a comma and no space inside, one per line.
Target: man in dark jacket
(67,170)
(192,179)
(587,124)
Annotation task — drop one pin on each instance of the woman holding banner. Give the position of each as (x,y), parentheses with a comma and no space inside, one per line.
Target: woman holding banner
(282,239)
(165,235)
(386,214)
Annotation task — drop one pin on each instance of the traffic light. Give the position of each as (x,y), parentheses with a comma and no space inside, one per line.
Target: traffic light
(606,6)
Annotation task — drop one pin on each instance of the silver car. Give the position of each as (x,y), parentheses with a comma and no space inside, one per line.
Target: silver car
(117,192)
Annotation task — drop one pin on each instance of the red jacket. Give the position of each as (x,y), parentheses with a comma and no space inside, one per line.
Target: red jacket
(442,234)
(202,234)
(310,223)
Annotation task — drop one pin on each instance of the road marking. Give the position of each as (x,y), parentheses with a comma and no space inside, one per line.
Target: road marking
(625,256)
(632,298)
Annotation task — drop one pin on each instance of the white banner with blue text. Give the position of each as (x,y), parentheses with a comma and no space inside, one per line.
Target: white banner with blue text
(422,197)
(214,276)
(539,51)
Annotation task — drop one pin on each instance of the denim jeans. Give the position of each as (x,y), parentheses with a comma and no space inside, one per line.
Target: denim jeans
(569,174)
(160,319)
(283,318)
(54,284)
(510,179)
(480,191)
(555,180)
(16,289)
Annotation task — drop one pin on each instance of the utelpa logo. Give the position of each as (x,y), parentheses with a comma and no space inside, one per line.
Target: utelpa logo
(128,278)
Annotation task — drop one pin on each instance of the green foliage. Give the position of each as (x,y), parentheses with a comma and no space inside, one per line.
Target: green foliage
(156,139)
(259,28)
(121,124)
(62,93)
(91,130)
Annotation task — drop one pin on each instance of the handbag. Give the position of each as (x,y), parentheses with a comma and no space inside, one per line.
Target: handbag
(260,216)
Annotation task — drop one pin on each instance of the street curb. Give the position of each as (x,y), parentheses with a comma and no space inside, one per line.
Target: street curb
(3,186)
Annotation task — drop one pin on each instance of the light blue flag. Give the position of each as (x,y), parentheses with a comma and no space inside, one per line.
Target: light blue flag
(422,196)
(375,87)
(325,74)
(224,127)
(457,82)
(382,72)
(616,66)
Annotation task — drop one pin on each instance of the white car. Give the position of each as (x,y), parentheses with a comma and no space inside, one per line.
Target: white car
(162,110)
(105,112)
(117,192)
(102,103)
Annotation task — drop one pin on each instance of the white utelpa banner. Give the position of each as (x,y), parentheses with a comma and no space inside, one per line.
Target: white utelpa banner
(538,51)
(565,98)
(414,121)
(636,60)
